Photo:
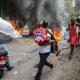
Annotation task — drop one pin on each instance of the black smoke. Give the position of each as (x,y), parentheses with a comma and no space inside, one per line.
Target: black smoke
(31,11)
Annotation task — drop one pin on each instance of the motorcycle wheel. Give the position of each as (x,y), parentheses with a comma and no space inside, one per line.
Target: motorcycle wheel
(1,73)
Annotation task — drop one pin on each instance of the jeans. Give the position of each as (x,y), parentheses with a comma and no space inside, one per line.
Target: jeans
(43,61)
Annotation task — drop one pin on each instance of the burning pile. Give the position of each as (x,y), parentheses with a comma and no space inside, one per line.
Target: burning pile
(56,33)
(7,28)
(19,27)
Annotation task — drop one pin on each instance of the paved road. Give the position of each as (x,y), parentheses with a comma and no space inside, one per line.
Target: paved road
(24,55)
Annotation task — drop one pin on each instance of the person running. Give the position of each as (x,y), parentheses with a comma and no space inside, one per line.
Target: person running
(44,52)
(73,36)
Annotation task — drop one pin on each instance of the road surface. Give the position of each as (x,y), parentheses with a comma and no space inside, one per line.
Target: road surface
(24,55)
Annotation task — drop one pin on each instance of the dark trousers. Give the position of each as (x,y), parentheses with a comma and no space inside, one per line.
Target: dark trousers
(54,45)
(71,53)
(43,61)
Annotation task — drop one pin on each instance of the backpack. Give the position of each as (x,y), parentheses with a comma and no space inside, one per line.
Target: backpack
(40,35)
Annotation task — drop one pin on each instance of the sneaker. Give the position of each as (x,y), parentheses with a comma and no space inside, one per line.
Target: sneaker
(10,68)
(37,77)
(70,58)
(36,66)
(58,53)
(51,66)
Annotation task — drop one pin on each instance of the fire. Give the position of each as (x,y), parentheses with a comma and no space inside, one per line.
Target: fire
(19,29)
(13,22)
(56,33)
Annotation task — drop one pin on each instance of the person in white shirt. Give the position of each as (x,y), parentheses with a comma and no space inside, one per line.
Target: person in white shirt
(44,52)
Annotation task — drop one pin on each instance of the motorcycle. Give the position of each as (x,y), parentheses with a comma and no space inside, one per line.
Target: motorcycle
(2,64)
(3,58)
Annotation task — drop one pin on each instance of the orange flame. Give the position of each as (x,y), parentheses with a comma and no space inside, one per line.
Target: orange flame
(13,23)
(20,29)
(56,33)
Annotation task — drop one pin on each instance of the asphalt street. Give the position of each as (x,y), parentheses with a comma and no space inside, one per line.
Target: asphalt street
(24,55)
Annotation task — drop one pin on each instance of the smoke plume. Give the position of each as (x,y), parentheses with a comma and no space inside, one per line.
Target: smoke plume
(52,11)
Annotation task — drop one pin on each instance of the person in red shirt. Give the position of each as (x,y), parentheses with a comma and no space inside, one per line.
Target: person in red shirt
(73,36)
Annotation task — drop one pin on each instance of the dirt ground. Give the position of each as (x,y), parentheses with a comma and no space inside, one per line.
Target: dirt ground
(24,55)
